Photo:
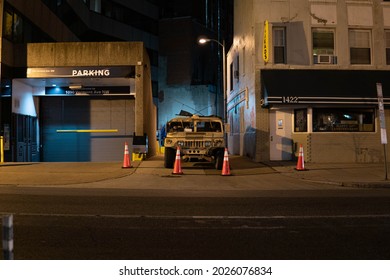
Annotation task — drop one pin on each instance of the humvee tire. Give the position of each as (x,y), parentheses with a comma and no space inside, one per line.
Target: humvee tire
(169,157)
(219,157)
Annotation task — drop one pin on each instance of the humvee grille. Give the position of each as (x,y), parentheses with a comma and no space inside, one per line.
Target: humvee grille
(194,144)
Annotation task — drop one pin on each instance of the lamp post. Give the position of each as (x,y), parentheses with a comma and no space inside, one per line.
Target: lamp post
(204,41)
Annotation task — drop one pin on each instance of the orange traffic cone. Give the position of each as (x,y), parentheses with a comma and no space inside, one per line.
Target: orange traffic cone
(301,160)
(177,165)
(226,165)
(126,157)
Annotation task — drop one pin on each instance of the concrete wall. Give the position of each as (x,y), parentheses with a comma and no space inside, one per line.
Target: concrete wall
(196,99)
(346,147)
(111,27)
(105,54)
(84,54)
(188,72)
(41,15)
(148,108)
(22,99)
(243,115)
(343,147)
(363,147)
(299,17)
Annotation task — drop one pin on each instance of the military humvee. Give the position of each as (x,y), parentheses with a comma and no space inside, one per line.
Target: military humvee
(199,137)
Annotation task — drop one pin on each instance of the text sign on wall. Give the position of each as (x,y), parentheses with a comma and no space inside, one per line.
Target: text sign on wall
(382,120)
(266,42)
(120,90)
(69,72)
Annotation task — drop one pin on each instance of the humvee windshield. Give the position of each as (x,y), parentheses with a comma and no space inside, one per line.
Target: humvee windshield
(208,126)
(197,126)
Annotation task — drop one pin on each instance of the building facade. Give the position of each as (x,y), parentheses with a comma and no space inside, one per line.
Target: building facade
(307,72)
(73,88)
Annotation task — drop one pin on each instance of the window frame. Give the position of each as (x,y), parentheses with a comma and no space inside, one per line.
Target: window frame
(337,122)
(283,45)
(387,46)
(356,47)
(13,26)
(323,50)
(301,124)
(231,76)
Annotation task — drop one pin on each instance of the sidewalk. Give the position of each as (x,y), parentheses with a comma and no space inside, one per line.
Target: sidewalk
(60,173)
(370,175)
(359,175)
(64,173)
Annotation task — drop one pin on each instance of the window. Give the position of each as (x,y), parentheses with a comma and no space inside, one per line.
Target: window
(343,120)
(300,120)
(234,72)
(197,126)
(387,47)
(231,76)
(360,46)
(13,26)
(323,46)
(208,126)
(243,64)
(279,42)
(96,6)
(7,25)
(237,68)
(107,9)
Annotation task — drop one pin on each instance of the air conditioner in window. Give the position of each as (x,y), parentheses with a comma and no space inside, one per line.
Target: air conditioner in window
(325,59)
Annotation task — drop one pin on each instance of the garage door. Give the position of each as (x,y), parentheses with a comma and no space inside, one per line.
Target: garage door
(81,113)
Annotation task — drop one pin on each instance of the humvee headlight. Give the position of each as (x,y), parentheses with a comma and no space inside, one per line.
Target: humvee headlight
(218,142)
(168,141)
(180,143)
(207,143)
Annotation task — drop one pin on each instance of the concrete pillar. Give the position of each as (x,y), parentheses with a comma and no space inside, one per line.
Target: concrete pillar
(139,100)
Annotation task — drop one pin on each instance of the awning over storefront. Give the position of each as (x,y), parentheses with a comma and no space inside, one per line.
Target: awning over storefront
(354,87)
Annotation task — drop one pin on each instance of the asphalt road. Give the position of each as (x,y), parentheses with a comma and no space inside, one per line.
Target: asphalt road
(55,223)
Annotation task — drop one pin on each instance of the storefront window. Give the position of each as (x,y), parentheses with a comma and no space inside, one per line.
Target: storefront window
(300,120)
(343,120)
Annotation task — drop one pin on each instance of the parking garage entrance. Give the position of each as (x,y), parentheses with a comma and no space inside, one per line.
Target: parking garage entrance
(81,118)
(82,102)
(91,128)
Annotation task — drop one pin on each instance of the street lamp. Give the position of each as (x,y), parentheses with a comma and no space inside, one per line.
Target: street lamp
(204,41)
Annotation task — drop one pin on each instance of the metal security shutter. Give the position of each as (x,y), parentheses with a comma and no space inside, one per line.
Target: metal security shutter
(111,114)
(75,113)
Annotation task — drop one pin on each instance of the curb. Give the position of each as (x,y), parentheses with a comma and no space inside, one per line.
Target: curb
(368,185)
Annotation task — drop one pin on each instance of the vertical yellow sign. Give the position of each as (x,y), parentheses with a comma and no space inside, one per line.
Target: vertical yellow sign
(1,149)
(266,42)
